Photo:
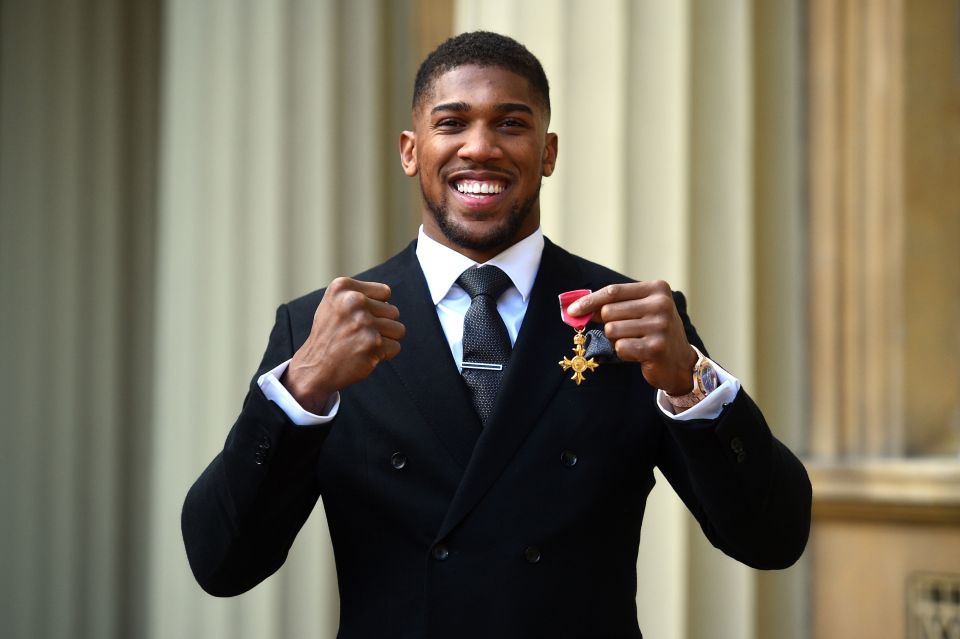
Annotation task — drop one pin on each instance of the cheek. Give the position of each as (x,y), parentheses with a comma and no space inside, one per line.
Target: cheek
(531,156)
(433,160)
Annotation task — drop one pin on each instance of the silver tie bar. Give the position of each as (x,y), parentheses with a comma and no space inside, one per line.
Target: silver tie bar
(482,366)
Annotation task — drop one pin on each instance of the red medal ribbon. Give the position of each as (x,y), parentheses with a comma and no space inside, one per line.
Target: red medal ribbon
(566,299)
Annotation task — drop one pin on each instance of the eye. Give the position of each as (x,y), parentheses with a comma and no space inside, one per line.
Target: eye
(448,123)
(513,125)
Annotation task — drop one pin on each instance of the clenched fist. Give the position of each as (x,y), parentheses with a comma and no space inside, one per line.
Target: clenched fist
(354,329)
(641,321)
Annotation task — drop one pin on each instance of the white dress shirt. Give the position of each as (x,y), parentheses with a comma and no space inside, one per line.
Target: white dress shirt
(441,267)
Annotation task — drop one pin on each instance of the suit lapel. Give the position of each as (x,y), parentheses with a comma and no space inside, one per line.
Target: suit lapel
(426,367)
(531,380)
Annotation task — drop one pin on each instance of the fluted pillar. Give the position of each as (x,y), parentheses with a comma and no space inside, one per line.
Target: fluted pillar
(278,172)
(78,85)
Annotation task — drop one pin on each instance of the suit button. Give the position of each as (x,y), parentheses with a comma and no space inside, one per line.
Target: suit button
(532,554)
(736,445)
(568,458)
(264,443)
(440,552)
(398,460)
(259,458)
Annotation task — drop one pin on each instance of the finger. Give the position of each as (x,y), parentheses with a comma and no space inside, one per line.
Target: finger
(389,349)
(592,303)
(382,309)
(650,348)
(584,306)
(373,290)
(657,304)
(620,292)
(390,329)
(654,325)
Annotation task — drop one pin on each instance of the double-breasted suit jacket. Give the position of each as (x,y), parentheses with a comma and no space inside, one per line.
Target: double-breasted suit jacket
(527,527)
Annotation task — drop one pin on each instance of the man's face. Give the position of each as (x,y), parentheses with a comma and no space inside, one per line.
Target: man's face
(480,146)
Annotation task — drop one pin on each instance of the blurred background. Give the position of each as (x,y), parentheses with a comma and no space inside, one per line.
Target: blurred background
(172,170)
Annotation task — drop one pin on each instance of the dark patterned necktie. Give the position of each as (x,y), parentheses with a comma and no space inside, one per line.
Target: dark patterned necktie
(486,344)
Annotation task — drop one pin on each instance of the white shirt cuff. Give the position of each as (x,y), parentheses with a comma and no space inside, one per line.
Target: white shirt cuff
(276,392)
(710,406)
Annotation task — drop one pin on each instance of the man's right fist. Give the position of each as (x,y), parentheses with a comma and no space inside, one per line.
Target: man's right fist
(354,329)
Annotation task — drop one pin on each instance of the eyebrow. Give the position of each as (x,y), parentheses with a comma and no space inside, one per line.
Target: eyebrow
(463,107)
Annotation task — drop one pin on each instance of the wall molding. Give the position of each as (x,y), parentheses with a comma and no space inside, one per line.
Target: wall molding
(894,491)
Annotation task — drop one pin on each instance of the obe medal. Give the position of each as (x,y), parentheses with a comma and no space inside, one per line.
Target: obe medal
(578,362)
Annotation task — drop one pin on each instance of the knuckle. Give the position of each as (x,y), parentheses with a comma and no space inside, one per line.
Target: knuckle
(339,284)
(352,300)
(621,346)
(661,286)
(611,330)
(656,344)
(614,290)
(663,302)
(367,340)
(358,323)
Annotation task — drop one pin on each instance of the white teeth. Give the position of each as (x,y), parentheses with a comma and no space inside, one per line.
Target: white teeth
(475,188)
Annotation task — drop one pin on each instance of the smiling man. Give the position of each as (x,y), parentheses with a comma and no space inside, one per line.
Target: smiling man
(480,147)
(472,488)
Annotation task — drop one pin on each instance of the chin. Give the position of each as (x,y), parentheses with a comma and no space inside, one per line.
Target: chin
(486,238)
(483,235)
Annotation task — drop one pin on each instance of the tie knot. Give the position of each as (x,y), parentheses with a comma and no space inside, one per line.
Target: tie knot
(485,280)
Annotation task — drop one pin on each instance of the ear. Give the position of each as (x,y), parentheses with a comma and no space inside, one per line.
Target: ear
(550,155)
(408,155)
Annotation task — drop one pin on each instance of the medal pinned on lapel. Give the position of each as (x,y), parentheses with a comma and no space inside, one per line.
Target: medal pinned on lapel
(578,363)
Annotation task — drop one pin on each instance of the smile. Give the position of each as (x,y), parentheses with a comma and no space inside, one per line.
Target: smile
(478,188)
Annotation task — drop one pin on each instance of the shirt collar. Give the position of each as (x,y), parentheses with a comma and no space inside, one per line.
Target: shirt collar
(442,265)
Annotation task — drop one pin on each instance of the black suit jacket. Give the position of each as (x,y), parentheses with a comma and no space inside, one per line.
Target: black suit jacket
(528,527)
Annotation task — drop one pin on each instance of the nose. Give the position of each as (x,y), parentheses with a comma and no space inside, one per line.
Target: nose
(480,144)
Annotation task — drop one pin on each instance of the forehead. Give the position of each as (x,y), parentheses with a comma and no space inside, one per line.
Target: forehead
(478,86)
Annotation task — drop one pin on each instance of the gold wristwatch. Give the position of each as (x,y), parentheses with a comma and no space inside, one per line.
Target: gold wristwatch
(705,381)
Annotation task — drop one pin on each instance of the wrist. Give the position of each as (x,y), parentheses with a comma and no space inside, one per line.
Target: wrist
(312,398)
(683,380)
(701,383)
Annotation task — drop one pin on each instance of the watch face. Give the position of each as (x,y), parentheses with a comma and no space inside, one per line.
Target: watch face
(708,379)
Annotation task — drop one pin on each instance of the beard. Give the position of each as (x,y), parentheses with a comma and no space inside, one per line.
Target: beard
(502,236)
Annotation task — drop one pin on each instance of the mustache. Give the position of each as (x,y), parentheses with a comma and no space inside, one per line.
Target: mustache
(479,168)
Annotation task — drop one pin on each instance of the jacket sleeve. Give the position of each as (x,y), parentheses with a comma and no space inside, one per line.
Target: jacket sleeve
(748,491)
(242,514)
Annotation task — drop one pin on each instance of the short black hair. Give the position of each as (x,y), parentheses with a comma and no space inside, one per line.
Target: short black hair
(484,49)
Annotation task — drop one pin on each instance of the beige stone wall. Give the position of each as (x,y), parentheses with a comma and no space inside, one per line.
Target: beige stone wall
(932,232)
(884,162)
(862,568)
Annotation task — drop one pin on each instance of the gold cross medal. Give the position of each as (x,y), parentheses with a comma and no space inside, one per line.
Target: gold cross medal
(579,363)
